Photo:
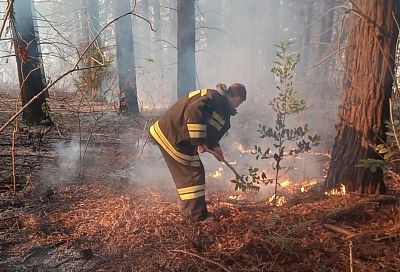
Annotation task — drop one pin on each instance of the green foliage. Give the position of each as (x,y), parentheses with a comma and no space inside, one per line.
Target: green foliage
(285,105)
(388,151)
(373,165)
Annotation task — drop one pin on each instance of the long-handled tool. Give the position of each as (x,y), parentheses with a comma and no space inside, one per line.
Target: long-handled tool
(227,164)
(248,187)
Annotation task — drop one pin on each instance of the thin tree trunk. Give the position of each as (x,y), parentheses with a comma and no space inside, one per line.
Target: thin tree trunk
(144,11)
(125,59)
(323,73)
(92,25)
(186,47)
(326,26)
(157,49)
(93,18)
(29,64)
(172,48)
(365,101)
(308,32)
(273,33)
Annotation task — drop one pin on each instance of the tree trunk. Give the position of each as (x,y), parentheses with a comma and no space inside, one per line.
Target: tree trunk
(171,63)
(326,26)
(214,58)
(125,58)
(29,64)
(365,100)
(93,18)
(157,49)
(308,31)
(186,47)
(146,31)
(273,34)
(92,28)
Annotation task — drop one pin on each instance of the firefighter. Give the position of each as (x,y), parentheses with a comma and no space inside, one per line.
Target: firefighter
(194,124)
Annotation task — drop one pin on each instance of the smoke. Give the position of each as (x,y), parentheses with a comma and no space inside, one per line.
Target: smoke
(65,169)
(150,169)
(234,43)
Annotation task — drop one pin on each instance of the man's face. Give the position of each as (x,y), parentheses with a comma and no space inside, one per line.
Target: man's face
(235,101)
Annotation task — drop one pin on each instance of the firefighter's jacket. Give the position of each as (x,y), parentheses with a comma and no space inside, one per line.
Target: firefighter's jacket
(200,117)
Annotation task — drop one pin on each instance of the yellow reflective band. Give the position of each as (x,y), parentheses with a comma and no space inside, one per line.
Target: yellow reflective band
(218,118)
(184,159)
(197,134)
(191,94)
(192,189)
(192,195)
(215,124)
(203,92)
(198,127)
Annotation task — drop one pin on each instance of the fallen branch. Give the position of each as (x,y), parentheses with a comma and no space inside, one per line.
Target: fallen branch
(389,237)
(200,257)
(345,232)
(340,213)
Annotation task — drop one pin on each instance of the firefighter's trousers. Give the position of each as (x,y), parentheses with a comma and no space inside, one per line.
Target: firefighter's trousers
(190,183)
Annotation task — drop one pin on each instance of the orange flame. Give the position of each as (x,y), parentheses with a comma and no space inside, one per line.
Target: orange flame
(218,173)
(241,148)
(280,200)
(337,191)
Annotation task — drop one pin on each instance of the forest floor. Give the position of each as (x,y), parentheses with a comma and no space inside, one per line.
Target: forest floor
(97,216)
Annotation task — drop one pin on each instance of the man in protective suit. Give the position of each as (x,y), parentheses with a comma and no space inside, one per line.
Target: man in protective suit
(194,124)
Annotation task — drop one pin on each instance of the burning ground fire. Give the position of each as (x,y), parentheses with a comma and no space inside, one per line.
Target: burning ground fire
(241,148)
(337,191)
(218,174)
(287,186)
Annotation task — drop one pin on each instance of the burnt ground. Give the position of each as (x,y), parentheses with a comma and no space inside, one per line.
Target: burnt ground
(94,216)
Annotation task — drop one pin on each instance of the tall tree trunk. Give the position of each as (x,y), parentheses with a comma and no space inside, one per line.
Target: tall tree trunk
(145,12)
(273,33)
(365,101)
(157,49)
(323,73)
(213,20)
(172,48)
(92,28)
(93,19)
(29,64)
(186,47)
(326,26)
(308,31)
(125,58)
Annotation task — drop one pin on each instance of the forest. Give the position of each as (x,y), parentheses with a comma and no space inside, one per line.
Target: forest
(115,153)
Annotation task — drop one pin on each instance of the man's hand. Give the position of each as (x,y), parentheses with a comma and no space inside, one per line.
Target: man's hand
(202,148)
(218,150)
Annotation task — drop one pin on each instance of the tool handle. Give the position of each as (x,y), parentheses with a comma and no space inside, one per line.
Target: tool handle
(226,163)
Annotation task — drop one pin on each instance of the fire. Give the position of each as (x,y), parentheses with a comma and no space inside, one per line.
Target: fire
(218,173)
(286,183)
(337,192)
(280,200)
(305,186)
(236,197)
(241,148)
(232,162)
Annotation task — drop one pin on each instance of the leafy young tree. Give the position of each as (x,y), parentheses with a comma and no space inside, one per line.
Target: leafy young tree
(285,105)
